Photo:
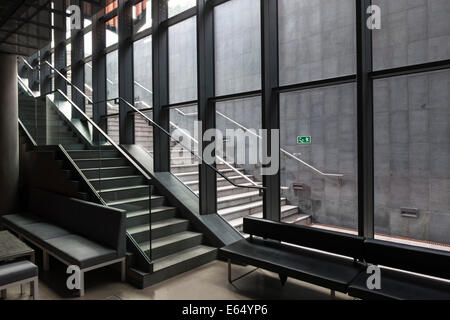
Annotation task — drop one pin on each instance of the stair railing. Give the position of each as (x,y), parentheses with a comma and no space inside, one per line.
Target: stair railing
(157,126)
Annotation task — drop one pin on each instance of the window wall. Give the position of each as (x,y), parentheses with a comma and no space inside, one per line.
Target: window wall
(316,97)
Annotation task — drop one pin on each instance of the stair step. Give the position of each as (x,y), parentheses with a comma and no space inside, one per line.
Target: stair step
(101,163)
(221,182)
(137,204)
(234,212)
(78,146)
(160,229)
(238,199)
(94,154)
(111,172)
(117,194)
(173,243)
(192,168)
(135,218)
(232,190)
(116,182)
(193,176)
(288,214)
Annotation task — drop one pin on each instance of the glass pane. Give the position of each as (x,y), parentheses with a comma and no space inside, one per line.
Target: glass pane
(88,44)
(319,139)
(143,86)
(142,16)
(112,87)
(317,39)
(143,132)
(184,164)
(112,32)
(412,159)
(183,61)
(237,46)
(88,87)
(178,6)
(411,32)
(239,123)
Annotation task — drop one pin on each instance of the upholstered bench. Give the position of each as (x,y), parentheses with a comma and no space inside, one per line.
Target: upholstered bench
(19,273)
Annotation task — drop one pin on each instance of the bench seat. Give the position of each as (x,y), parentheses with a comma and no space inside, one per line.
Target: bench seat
(80,251)
(17,271)
(330,271)
(21,219)
(398,285)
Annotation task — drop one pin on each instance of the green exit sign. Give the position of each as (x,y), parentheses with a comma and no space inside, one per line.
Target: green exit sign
(303,140)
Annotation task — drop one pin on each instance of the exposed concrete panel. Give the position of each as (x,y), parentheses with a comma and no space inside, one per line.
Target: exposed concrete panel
(9,134)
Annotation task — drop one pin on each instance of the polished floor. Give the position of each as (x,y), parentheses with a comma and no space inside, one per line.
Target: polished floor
(208,282)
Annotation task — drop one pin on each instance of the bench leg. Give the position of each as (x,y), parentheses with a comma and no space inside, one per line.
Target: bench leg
(333,294)
(283,279)
(22,289)
(81,283)
(34,288)
(230,280)
(123,271)
(3,294)
(45,261)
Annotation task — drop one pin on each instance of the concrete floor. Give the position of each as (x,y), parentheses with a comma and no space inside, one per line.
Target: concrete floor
(208,282)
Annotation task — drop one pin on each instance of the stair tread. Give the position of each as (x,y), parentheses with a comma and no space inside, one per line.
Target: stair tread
(245,206)
(238,221)
(181,174)
(231,187)
(130,200)
(107,168)
(181,256)
(115,178)
(163,241)
(124,188)
(97,159)
(133,214)
(238,196)
(155,225)
(219,179)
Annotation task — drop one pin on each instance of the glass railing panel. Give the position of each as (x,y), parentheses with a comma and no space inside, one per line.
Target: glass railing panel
(238,125)
(184,155)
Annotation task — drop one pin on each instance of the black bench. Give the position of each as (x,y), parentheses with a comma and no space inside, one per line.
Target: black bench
(396,284)
(19,273)
(334,271)
(73,231)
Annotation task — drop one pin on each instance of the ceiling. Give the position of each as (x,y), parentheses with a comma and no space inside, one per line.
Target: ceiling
(25,25)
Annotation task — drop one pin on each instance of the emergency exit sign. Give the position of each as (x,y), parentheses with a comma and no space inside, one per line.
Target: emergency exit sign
(303,140)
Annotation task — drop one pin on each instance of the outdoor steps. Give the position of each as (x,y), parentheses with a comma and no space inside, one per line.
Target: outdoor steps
(289,214)
(173,265)
(221,182)
(193,176)
(246,209)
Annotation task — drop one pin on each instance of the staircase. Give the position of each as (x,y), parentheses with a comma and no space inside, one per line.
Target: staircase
(176,247)
(233,203)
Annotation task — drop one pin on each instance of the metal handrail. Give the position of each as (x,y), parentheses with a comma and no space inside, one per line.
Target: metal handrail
(218,157)
(22,83)
(338,175)
(136,110)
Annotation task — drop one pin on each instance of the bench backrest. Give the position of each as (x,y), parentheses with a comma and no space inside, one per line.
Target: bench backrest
(414,259)
(104,225)
(324,240)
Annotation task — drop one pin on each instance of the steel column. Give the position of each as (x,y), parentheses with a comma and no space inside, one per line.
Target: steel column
(206,107)
(77,63)
(270,102)
(365,122)
(126,71)
(160,48)
(60,54)
(99,69)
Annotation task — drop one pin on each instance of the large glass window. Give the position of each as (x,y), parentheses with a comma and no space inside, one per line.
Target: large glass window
(88,87)
(142,16)
(143,91)
(317,39)
(88,44)
(411,32)
(183,61)
(237,26)
(412,157)
(325,121)
(112,87)
(112,32)
(178,6)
